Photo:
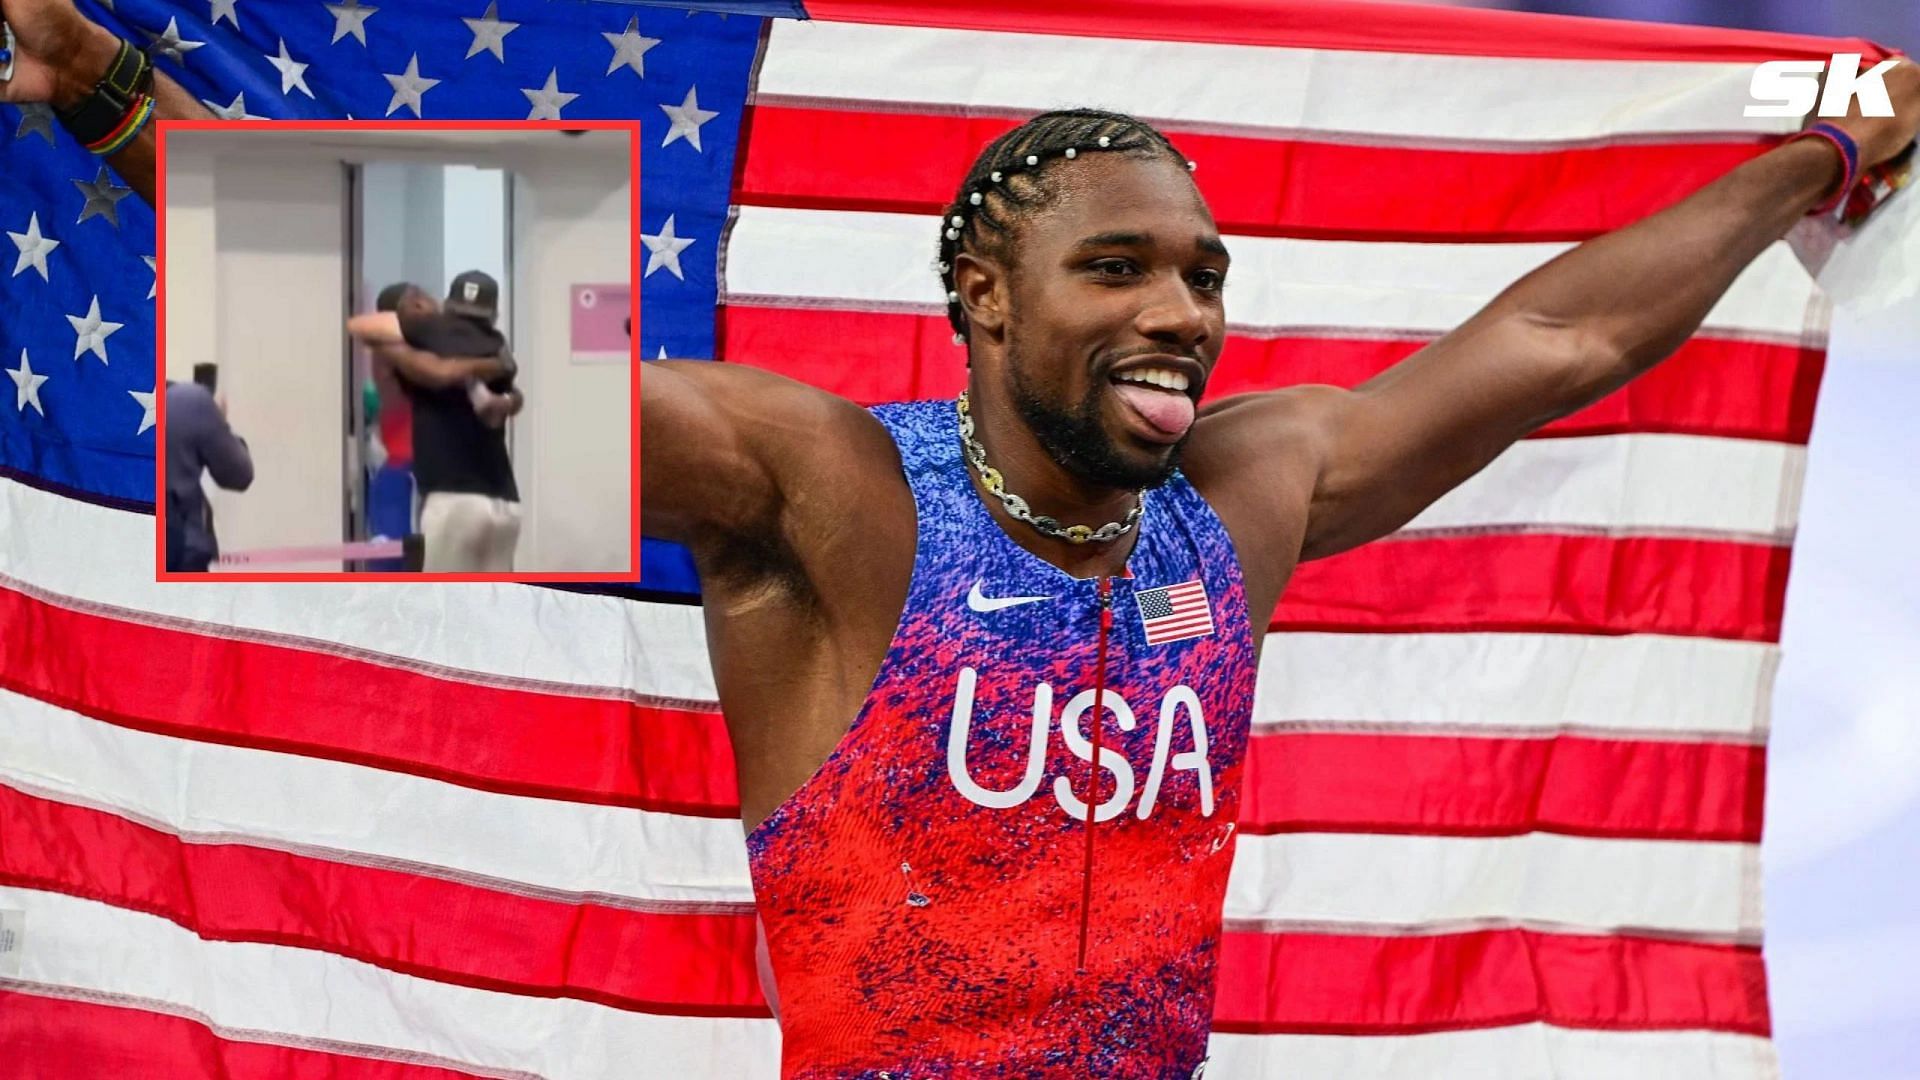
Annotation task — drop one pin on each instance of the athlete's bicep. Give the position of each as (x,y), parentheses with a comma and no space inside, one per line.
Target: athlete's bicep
(717,444)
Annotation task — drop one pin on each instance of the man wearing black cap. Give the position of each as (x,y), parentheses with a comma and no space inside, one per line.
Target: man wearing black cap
(456,370)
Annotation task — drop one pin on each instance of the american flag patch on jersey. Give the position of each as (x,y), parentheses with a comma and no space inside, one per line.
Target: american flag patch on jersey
(1175,612)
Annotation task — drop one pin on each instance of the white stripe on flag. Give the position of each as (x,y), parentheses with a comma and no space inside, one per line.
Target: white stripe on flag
(1214,87)
(369,815)
(92,554)
(869,260)
(1640,684)
(302,995)
(1521,1052)
(1667,484)
(1384,883)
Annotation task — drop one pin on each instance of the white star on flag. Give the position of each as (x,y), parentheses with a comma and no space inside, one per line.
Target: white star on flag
(237,110)
(145,398)
(91,332)
(408,86)
(223,9)
(34,248)
(629,48)
(155,283)
(490,33)
(549,99)
(664,249)
(350,18)
(687,118)
(293,74)
(26,386)
(170,44)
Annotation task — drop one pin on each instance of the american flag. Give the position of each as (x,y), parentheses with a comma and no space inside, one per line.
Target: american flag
(1504,789)
(1175,612)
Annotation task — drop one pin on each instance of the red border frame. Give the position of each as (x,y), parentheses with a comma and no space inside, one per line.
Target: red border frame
(163,127)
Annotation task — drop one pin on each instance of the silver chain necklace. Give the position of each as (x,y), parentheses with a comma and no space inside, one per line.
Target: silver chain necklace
(1017,506)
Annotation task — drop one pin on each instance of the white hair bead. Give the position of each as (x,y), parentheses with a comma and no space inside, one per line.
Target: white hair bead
(1105,142)
(959,339)
(953,234)
(958,221)
(942,267)
(953,297)
(1032,159)
(996,177)
(1192,165)
(1072,153)
(976,198)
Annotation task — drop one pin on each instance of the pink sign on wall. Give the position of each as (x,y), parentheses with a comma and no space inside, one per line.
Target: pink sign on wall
(598,324)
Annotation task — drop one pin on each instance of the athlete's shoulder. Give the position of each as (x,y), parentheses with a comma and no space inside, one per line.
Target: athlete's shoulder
(1267,432)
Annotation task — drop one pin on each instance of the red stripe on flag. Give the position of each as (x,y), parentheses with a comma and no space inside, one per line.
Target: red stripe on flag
(1716,387)
(360,708)
(1544,582)
(1476,786)
(1711,386)
(1347,24)
(1337,984)
(51,1038)
(694,963)
(1315,189)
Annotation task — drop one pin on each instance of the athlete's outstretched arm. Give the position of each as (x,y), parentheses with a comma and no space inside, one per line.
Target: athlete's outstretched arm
(722,446)
(1558,340)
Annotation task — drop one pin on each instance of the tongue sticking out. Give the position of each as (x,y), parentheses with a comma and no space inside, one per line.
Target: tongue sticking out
(1170,412)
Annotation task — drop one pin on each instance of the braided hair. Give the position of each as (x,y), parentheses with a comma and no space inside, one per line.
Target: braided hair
(1010,181)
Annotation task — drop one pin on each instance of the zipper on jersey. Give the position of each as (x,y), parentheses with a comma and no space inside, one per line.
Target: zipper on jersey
(1093,768)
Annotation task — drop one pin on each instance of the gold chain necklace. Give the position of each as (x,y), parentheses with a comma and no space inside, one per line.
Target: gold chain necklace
(1017,506)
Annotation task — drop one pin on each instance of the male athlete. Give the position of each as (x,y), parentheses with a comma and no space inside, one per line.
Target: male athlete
(947,634)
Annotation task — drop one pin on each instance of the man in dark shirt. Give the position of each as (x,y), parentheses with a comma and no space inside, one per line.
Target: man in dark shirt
(457,373)
(198,440)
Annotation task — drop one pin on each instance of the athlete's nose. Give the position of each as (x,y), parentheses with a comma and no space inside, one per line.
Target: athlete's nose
(1173,316)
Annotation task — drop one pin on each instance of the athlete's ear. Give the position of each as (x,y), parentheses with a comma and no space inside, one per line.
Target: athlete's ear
(981,283)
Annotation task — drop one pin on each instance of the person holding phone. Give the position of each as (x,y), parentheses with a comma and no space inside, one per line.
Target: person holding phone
(199,441)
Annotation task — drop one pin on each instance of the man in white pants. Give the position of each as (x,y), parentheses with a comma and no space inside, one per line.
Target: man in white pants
(444,356)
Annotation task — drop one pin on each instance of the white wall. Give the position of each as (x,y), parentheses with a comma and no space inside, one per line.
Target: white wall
(280,239)
(192,307)
(572,446)
(255,274)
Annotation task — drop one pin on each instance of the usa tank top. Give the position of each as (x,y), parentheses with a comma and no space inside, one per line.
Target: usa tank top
(934,900)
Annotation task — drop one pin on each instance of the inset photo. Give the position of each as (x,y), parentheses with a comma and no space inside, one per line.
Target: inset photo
(397,350)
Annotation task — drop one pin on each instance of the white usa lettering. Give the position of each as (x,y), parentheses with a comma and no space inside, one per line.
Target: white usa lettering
(1177,700)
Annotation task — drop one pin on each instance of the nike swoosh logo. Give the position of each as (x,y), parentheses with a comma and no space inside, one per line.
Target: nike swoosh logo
(978,602)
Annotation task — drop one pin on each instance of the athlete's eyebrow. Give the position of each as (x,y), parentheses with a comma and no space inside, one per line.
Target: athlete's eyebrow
(1212,245)
(1115,239)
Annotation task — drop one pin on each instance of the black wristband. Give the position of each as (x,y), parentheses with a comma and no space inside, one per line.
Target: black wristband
(97,115)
